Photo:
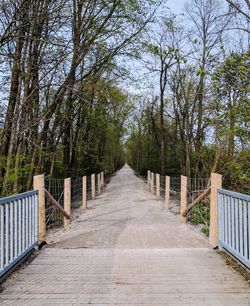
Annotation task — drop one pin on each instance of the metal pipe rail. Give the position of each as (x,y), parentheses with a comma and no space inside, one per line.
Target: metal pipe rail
(234,224)
(18,228)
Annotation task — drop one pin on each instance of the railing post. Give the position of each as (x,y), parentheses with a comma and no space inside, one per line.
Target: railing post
(102,181)
(67,199)
(99,183)
(149,178)
(167,192)
(216,183)
(93,186)
(84,192)
(158,186)
(39,184)
(183,197)
(152,182)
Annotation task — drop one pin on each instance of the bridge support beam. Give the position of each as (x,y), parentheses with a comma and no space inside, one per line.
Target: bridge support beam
(39,184)
(167,192)
(184,202)
(67,199)
(102,181)
(216,183)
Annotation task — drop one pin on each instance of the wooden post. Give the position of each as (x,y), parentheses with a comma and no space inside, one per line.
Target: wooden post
(102,181)
(93,186)
(158,186)
(84,192)
(152,182)
(183,197)
(67,199)
(216,183)
(167,192)
(99,183)
(39,184)
(149,179)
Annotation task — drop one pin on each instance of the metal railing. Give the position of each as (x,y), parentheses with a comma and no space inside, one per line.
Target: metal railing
(234,224)
(18,228)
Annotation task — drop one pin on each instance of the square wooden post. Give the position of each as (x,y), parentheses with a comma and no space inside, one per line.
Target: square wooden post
(149,179)
(99,183)
(102,181)
(84,192)
(152,182)
(67,199)
(93,186)
(216,183)
(39,184)
(158,186)
(167,192)
(183,197)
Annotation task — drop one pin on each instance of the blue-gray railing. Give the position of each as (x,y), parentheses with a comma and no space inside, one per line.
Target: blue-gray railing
(18,228)
(234,224)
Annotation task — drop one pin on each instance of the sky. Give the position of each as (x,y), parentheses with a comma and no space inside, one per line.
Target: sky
(176,6)
(143,78)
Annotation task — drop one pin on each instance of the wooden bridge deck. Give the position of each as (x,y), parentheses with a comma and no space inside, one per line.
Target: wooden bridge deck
(126,250)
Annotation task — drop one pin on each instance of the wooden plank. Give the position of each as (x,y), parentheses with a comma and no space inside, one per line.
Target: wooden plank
(167,191)
(67,200)
(149,180)
(84,192)
(158,186)
(93,186)
(216,183)
(39,184)
(152,182)
(99,183)
(183,198)
(196,201)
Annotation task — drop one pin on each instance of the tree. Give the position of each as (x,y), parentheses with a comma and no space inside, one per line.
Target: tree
(55,50)
(164,49)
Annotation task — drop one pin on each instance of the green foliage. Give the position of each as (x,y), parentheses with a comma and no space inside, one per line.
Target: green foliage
(142,146)
(205,230)
(200,215)
(236,171)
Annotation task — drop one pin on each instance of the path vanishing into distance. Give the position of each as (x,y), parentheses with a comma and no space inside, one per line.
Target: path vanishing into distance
(127,250)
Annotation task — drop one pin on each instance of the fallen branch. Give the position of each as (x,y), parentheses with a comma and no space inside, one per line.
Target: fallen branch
(196,201)
(52,201)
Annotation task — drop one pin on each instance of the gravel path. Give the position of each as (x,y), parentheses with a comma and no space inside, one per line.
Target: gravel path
(127,250)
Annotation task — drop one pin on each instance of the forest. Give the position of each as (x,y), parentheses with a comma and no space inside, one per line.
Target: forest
(87,85)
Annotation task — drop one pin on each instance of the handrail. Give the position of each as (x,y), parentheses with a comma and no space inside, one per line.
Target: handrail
(234,194)
(17,196)
(18,228)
